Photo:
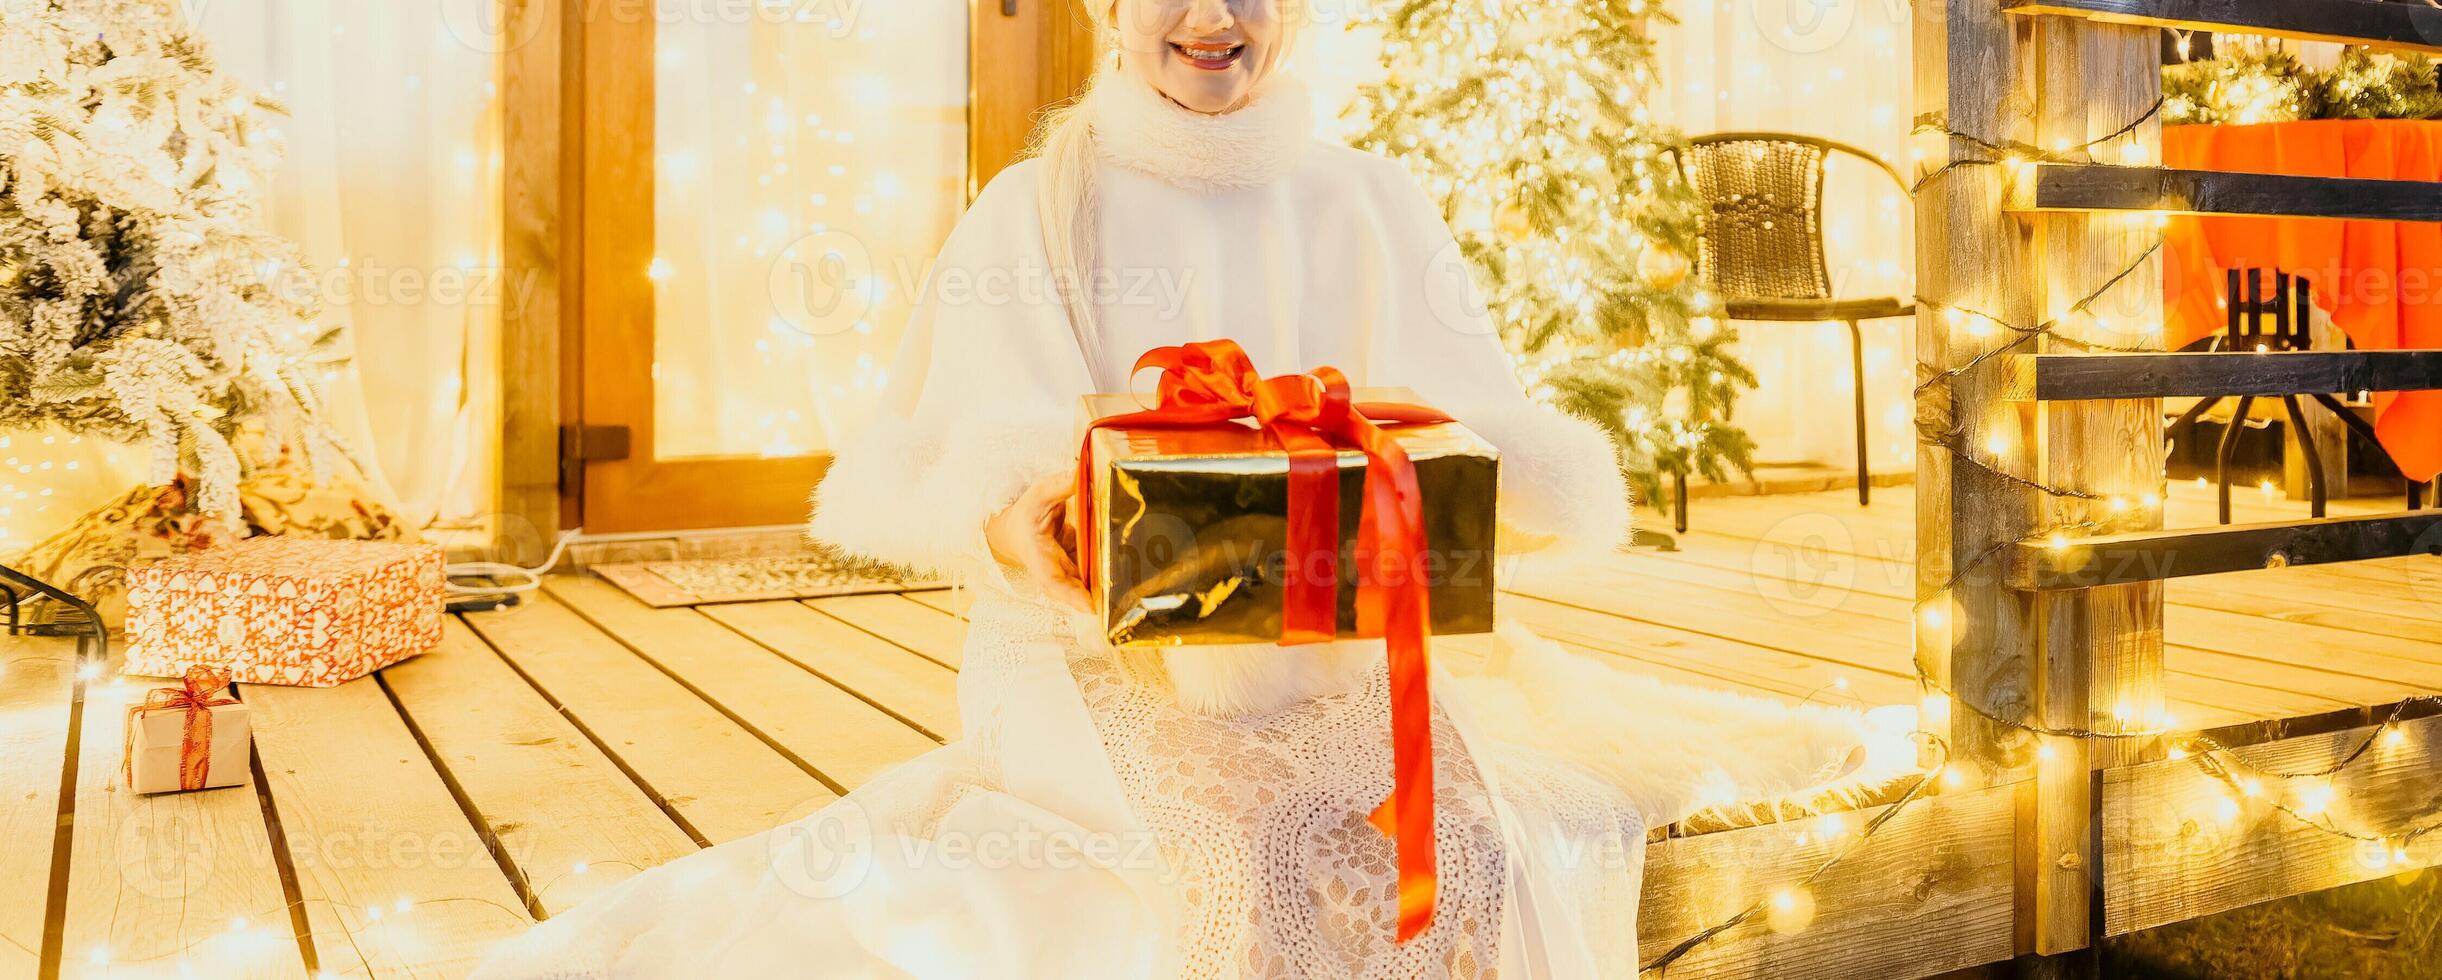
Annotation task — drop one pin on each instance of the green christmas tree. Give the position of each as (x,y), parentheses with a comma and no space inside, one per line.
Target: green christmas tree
(1526,120)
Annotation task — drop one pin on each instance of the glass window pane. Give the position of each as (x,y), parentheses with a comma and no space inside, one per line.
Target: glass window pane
(807,168)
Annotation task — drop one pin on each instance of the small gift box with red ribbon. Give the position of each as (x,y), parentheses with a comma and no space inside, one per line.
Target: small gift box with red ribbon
(194,736)
(1239,509)
(308,612)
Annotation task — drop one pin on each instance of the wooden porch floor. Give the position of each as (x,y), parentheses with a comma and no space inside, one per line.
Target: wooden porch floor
(400,824)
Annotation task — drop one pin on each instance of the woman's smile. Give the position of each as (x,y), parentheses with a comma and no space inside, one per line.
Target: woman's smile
(1209,55)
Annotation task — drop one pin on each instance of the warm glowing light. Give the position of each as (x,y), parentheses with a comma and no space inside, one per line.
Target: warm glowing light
(2313,798)
(1934,710)
(2268,488)
(2226,808)
(2394,738)
(2251,786)
(1831,826)
(2057,541)
(2044,751)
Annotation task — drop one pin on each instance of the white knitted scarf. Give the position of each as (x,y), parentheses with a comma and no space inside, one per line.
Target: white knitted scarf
(1141,129)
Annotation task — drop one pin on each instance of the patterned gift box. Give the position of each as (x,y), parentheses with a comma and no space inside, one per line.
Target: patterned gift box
(310,612)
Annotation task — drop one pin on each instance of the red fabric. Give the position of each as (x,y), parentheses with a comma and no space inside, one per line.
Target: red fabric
(2378,280)
(1214,382)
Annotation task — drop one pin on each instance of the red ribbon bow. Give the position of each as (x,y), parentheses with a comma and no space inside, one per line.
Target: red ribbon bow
(197,697)
(1310,415)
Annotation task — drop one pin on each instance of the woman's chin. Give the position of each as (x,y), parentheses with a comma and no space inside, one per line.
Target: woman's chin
(1205,92)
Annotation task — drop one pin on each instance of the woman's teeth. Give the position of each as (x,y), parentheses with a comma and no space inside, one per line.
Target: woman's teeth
(1209,56)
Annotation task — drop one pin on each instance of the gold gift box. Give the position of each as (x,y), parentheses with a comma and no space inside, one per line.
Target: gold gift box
(1191,527)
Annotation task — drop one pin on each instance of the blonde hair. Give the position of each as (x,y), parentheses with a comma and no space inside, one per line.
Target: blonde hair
(1065,197)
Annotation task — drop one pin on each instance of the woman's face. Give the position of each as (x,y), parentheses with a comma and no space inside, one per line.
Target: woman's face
(1206,55)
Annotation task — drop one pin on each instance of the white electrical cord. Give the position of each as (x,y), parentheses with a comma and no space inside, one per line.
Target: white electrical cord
(532,577)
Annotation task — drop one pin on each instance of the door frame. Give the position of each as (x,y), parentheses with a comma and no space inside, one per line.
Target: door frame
(579,94)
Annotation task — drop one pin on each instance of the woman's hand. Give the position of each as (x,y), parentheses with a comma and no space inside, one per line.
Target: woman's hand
(1037,535)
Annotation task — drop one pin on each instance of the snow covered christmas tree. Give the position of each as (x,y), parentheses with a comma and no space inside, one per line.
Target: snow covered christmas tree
(140,297)
(1525,120)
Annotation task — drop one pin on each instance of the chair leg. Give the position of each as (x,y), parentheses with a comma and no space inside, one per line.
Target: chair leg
(1856,360)
(2316,495)
(2416,496)
(2229,448)
(1678,510)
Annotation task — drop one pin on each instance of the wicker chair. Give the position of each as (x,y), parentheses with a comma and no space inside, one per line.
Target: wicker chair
(1762,247)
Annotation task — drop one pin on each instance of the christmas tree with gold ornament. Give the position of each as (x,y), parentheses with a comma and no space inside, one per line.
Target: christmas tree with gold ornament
(1526,122)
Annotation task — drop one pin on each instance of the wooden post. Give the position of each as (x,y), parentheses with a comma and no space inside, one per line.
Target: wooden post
(2102,648)
(1974,76)
(537,233)
(2078,660)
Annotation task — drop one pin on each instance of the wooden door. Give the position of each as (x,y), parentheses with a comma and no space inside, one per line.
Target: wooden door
(686,411)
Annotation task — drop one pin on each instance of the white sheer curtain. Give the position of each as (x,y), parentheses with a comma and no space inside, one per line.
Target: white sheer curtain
(1837,69)
(391,189)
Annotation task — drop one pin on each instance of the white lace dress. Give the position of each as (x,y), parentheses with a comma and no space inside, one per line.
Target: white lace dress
(1085,824)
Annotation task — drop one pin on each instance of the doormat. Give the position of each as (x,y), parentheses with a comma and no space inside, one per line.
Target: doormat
(695,582)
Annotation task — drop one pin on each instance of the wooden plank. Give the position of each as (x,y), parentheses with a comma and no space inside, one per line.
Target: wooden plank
(170,883)
(2178,851)
(830,732)
(719,781)
(569,821)
(2162,190)
(37,687)
(1929,893)
(2148,556)
(928,632)
(2070,377)
(393,878)
(911,688)
(2391,26)
(1780,671)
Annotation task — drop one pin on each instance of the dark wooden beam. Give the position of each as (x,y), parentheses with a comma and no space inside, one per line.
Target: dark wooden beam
(2393,26)
(2148,556)
(2082,377)
(2094,187)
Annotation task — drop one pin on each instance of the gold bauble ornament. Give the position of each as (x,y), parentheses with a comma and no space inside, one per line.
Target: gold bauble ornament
(1512,220)
(1661,266)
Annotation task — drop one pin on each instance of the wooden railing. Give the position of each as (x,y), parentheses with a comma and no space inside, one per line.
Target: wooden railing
(2040,586)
